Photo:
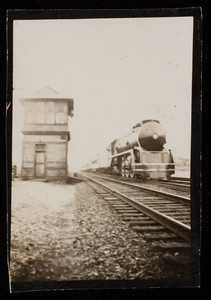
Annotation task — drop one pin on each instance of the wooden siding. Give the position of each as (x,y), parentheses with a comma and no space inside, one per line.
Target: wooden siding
(28,152)
(56,152)
(28,164)
(55,165)
(56,174)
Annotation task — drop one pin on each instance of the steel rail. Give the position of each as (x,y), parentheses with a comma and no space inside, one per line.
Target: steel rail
(174,180)
(177,227)
(173,196)
(172,183)
(181,178)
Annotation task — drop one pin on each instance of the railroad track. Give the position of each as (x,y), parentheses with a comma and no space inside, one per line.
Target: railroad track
(177,184)
(159,216)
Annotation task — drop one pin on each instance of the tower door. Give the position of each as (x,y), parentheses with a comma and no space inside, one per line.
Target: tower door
(40,163)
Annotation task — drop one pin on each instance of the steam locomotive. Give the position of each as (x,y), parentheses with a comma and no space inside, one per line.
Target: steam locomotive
(139,153)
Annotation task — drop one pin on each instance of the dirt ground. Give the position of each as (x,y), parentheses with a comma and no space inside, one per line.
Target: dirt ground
(65,232)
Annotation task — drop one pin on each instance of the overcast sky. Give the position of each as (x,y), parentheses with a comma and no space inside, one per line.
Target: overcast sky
(119,72)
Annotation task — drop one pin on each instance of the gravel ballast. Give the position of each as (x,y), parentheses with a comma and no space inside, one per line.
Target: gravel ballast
(67,232)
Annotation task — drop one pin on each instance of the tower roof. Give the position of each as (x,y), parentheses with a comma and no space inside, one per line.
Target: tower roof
(46,92)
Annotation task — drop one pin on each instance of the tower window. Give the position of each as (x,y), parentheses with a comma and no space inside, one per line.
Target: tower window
(50,112)
(30,112)
(61,113)
(40,112)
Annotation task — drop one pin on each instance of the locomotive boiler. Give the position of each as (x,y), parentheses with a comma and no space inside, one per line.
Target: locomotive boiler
(141,152)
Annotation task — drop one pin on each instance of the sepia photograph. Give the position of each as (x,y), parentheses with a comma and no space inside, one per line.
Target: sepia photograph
(101,152)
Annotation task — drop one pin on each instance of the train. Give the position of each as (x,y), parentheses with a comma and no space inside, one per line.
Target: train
(138,153)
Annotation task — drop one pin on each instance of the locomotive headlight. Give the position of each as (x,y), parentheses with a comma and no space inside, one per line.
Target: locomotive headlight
(155,136)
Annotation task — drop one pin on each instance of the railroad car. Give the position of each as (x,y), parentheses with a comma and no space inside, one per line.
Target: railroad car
(139,153)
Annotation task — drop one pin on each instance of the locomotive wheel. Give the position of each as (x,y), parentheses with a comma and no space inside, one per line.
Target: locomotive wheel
(127,173)
(131,173)
(123,169)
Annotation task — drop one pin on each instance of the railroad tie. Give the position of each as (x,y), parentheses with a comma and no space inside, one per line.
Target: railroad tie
(148,228)
(142,222)
(160,236)
(173,247)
